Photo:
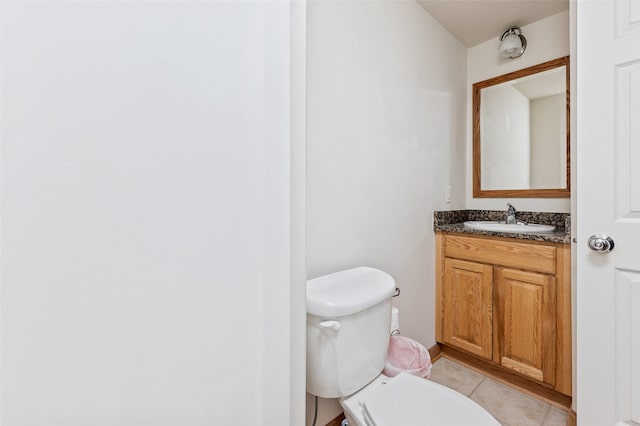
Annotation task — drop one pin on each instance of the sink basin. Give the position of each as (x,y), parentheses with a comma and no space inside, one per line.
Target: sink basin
(517,228)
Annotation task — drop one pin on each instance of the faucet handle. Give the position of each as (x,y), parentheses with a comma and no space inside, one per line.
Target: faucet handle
(511,214)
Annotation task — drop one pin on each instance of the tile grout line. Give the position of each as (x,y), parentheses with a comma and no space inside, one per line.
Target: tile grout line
(501,421)
(545,407)
(477,386)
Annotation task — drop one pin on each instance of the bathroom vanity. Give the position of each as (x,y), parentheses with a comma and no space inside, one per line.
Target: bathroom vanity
(505,298)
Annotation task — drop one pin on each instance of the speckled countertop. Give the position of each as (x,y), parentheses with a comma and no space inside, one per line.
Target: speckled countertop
(452,221)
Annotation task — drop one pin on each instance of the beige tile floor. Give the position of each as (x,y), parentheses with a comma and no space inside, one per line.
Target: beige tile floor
(509,406)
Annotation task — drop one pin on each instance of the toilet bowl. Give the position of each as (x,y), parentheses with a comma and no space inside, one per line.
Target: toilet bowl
(348,320)
(407,400)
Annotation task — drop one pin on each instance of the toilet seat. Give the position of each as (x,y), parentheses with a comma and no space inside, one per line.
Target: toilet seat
(412,401)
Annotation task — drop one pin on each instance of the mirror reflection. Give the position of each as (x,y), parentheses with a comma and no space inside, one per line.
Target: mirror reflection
(521,134)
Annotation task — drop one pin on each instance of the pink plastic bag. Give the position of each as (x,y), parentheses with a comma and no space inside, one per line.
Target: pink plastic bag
(407,355)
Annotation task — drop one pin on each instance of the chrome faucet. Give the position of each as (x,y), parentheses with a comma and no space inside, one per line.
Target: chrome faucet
(511,214)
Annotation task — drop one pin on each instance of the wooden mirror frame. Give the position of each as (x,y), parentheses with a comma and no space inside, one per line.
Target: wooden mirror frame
(478,192)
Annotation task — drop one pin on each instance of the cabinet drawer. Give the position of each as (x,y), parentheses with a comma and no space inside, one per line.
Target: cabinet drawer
(532,257)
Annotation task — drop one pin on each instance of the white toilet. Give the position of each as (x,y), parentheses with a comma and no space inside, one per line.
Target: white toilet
(348,316)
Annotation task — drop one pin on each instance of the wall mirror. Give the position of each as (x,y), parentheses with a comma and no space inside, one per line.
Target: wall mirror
(521,133)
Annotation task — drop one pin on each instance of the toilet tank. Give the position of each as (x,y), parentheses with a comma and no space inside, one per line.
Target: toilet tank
(348,317)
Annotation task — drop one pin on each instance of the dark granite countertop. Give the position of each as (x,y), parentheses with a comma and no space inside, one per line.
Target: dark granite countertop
(452,221)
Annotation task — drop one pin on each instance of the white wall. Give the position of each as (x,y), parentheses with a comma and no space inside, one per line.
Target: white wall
(504,120)
(386,129)
(145,215)
(547,39)
(297,284)
(548,142)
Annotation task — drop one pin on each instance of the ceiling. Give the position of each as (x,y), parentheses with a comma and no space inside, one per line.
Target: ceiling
(542,85)
(476,21)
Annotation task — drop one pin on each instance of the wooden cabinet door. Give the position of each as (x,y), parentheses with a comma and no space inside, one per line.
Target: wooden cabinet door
(525,323)
(467,306)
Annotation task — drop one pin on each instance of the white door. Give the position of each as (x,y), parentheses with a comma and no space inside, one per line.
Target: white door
(608,191)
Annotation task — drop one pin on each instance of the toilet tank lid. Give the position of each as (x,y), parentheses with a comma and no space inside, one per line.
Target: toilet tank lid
(347,292)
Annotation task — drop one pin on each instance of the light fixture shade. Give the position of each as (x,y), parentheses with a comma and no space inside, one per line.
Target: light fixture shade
(512,43)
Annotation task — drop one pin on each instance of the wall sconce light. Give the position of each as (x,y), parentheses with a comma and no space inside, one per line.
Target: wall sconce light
(512,43)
